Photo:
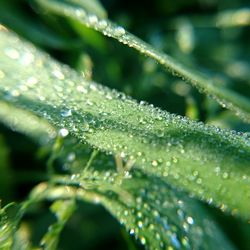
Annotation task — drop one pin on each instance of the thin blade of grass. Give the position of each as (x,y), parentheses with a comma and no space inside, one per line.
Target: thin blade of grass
(240,105)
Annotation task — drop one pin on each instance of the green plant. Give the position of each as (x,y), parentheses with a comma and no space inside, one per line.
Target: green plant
(147,167)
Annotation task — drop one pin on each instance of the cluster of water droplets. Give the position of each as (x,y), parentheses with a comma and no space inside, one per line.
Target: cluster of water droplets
(158,216)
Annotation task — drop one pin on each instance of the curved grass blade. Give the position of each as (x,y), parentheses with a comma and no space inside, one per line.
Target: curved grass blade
(9,219)
(240,105)
(158,216)
(26,123)
(210,163)
(63,211)
(174,224)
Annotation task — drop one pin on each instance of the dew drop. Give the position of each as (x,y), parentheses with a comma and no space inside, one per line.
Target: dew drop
(157,236)
(14,93)
(225,175)
(180,214)
(154,163)
(151,227)
(168,163)
(185,242)
(165,173)
(80,13)
(195,173)
(12,53)
(93,87)
(103,24)
(132,231)
(185,226)
(58,74)
(217,170)
(81,89)
(165,225)
(23,87)
(42,98)
(156,213)
(160,133)
(175,241)
(140,224)
(71,156)
(139,153)
(199,181)
(2,75)
(27,59)
(109,97)
(139,215)
(190,220)
(32,81)
(66,113)
(122,154)
(73,176)
(93,19)
(143,240)
(85,127)
(142,121)
(119,31)
(89,103)
(63,132)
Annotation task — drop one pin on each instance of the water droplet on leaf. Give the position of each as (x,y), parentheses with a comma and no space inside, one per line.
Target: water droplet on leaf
(119,31)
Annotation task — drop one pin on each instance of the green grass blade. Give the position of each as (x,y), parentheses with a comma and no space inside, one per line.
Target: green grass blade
(34,30)
(151,211)
(210,163)
(9,218)
(27,123)
(63,211)
(228,99)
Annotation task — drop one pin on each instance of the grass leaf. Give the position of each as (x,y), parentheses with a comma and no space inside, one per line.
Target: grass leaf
(210,163)
(27,123)
(63,210)
(228,99)
(151,211)
(9,218)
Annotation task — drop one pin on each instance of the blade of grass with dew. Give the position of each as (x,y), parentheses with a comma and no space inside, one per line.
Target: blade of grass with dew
(240,105)
(9,218)
(210,163)
(155,214)
(145,223)
(27,123)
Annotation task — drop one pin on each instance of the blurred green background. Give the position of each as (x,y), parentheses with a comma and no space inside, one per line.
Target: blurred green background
(211,36)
